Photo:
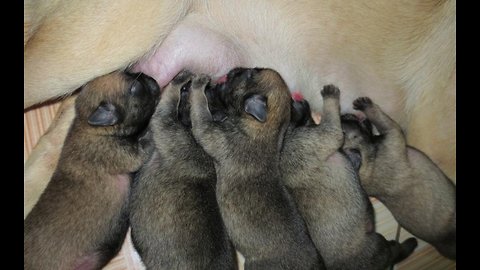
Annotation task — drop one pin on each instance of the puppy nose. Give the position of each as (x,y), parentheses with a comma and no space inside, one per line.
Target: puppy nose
(149,83)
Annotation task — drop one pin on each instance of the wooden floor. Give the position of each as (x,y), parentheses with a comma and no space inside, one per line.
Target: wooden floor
(425,257)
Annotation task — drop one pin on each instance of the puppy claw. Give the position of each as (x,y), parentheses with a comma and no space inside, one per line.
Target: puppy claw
(362,103)
(330,91)
(349,117)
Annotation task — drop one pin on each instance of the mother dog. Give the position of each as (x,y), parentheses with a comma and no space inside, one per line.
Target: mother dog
(402,53)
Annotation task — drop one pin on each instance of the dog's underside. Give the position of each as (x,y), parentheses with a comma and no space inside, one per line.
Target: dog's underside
(400,53)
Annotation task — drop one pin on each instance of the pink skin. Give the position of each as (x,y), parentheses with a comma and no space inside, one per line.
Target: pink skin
(205,50)
(194,48)
(297,96)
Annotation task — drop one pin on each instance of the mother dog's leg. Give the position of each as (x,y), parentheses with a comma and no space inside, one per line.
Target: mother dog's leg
(429,75)
(432,127)
(76,42)
(40,165)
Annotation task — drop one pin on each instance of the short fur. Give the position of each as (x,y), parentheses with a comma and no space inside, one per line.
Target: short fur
(81,219)
(175,220)
(42,161)
(259,215)
(418,194)
(380,48)
(326,188)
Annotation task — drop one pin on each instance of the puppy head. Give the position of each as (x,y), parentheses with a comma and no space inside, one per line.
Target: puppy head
(301,114)
(258,98)
(118,103)
(357,133)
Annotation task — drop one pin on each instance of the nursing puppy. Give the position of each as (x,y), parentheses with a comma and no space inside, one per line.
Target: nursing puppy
(175,220)
(418,194)
(327,191)
(375,48)
(259,215)
(81,219)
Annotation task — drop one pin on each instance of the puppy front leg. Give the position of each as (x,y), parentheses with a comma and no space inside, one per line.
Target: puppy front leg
(203,127)
(384,124)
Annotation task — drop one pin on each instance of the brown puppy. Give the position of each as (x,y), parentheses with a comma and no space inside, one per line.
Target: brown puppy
(327,191)
(175,220)
(259,215)
(418,194)
(81,219)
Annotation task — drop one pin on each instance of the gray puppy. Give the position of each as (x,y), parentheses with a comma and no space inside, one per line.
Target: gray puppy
(175,220)
(327,191)
(418,194)
(81,219)
(259,215)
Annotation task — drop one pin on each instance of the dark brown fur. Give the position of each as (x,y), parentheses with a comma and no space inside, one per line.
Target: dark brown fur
(327,191)
(259,215)
(81,219)
(418,194)
(175,220)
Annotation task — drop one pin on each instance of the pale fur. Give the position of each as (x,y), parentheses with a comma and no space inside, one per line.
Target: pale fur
(42,160)
(400,53)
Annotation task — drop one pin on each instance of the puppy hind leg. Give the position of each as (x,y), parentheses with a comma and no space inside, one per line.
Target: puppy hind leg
(394,137)
(381,120)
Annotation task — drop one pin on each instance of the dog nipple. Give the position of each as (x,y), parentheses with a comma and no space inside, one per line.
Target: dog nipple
(297,96)
(222,79)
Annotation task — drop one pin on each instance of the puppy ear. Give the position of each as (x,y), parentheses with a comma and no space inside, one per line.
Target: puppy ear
(256,105)
(105,115)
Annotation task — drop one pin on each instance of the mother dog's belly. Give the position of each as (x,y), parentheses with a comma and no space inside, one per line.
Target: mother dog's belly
(203,45)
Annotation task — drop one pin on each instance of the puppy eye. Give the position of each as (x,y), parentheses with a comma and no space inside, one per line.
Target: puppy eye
(136,88)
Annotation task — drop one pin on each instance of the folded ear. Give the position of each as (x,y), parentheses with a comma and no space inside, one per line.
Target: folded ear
(256,105)
(105,115)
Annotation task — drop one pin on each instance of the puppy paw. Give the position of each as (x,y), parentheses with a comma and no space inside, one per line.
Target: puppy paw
(330,91)
(200,82)
(362,103)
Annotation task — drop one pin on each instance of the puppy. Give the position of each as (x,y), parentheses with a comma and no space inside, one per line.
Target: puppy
(258,213)
(175,220)
(327,191)
(81,219)
(418,194)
